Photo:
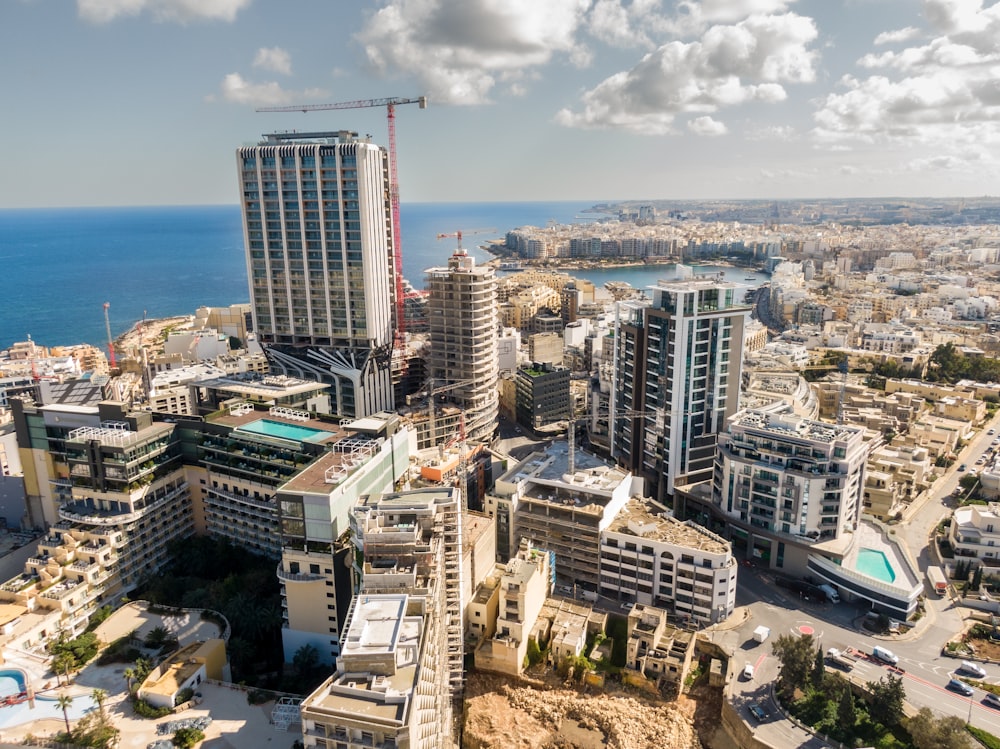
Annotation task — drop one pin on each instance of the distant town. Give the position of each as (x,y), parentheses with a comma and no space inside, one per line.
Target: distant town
(712,511)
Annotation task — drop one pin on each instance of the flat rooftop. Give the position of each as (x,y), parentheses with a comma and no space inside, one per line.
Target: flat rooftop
(639,518)
(331,468)
(592,482)
(792,426)
(377,668)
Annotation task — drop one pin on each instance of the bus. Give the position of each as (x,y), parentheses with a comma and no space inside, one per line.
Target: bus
(935,576)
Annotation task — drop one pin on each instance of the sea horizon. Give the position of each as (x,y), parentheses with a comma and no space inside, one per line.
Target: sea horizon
(62,264)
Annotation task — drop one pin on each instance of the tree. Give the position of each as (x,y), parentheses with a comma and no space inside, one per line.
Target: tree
(156,637)
(847,716)
(796,657)
(977,578)
(305,659)
(929,732)
(887,699)
(818,669)
(98,696)
(129,674)
(64,701)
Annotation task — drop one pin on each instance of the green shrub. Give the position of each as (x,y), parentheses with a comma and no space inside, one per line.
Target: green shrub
(185,738)
(144,710)
(183,696)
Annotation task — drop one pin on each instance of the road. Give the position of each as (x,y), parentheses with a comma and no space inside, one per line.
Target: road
(924,670)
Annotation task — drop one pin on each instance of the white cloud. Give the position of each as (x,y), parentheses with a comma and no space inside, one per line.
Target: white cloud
(899,35)
(180,11)
(729,65)
(274,59)
(939,94)
(707,126)
(772,132)
(238,90)
(693,17)
(458,49)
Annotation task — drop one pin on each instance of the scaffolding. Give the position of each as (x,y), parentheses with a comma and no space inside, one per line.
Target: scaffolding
(285,712)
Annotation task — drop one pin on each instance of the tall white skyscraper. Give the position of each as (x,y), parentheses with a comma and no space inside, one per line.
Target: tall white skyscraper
(462,314)
(319,243)
(677,379)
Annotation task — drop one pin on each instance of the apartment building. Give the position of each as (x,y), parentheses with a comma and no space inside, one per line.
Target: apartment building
(677,378)
(525,581)
(974,534)
(657,649)
(542,394)
(562,505)
(781,477)
(463,336)
(317,225)
(651,558)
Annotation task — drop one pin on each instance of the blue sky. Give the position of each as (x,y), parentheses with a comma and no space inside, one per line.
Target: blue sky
(143,102)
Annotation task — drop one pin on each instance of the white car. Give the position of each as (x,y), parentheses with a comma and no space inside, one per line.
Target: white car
(973,668)
(748,672)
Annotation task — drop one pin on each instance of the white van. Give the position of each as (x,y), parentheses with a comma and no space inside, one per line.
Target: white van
(885,655)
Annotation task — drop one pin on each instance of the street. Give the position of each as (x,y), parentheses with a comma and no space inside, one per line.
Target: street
(924,670)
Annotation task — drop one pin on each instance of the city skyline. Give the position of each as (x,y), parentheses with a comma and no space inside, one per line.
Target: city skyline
(573,100)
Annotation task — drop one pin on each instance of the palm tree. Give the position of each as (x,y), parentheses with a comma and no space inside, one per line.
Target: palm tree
(129,675)
(98,696)
(64,701)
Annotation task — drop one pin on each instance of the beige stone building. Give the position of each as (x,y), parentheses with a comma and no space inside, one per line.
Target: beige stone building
(524,584)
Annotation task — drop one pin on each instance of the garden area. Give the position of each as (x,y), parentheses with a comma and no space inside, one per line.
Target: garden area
(853,714)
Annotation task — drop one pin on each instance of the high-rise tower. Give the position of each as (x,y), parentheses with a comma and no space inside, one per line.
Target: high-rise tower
(677,379)
(317,226)
(462,313)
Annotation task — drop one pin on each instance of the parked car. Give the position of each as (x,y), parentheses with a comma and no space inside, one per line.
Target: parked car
(757,711)
(962,467)
(992,700)
(748,672)
(973,668)
(961,687)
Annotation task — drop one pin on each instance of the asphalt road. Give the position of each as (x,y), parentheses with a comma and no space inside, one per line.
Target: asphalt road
(924,670)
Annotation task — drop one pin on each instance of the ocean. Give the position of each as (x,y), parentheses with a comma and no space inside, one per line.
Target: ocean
(59,266)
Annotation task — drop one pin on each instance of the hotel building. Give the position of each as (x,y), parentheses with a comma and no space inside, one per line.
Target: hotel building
(317,225)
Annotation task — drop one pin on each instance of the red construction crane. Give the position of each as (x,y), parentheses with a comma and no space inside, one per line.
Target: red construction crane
(390,105)
(459,234)
(107,327)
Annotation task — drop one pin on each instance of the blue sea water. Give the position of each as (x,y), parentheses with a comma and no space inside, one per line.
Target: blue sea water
(59,266)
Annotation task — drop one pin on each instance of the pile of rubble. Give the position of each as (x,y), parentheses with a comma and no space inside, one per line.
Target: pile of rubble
(538,718)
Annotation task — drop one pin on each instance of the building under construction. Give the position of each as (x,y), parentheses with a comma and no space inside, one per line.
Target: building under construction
(399,678)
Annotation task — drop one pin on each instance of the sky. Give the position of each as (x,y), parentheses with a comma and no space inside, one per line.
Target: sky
(144,102)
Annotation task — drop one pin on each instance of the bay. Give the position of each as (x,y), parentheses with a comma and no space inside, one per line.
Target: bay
(59,266)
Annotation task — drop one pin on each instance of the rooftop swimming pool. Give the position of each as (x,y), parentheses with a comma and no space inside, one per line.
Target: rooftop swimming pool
(285,431)
(875,564)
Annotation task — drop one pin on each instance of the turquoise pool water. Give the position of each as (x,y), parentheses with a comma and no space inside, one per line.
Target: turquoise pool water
(286,431)
(11,682)
(875,564)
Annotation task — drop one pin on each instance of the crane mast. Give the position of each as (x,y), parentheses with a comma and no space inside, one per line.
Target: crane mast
(390,104)
(107,327)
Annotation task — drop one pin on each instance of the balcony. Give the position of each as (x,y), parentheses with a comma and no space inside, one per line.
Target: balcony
(299,577)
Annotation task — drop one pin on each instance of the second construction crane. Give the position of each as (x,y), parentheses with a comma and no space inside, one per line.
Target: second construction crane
(390,104)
